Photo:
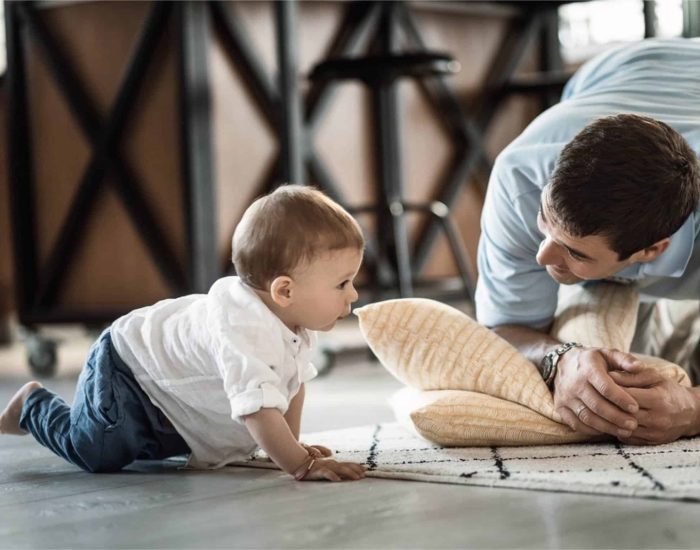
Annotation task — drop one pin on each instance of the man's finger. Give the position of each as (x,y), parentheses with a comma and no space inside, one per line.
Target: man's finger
(586,414)
(650,436)
(616,422)
(608,388)
(572,420)
(642,379)
(647,419)
(620,360)
(567,417)
(646,397)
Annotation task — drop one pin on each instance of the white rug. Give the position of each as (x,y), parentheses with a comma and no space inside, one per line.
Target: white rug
(665,472)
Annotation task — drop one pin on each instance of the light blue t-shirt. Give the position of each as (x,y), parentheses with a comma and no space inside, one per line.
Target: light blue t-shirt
(656,78)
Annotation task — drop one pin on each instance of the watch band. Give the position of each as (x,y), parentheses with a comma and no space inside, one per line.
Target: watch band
(551,360)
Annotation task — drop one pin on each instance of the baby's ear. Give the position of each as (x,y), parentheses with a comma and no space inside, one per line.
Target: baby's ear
(281,290)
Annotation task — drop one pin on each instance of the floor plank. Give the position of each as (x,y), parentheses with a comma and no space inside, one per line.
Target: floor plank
(47,503)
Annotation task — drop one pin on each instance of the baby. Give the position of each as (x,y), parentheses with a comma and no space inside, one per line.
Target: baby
(215,375)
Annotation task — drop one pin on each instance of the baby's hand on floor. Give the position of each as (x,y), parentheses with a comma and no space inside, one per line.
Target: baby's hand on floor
(332,470)
(317,451)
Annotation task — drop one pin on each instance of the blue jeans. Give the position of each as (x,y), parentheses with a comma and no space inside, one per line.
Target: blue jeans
(112,421)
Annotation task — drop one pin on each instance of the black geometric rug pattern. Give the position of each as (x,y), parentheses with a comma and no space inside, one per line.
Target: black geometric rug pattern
(670,471)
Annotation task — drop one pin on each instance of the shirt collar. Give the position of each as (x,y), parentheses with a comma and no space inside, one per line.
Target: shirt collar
(253,300)
(672,262)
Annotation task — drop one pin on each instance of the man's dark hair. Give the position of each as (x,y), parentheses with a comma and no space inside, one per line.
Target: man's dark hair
(629,178)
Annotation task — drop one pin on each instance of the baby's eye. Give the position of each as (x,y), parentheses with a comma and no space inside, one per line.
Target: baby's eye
(343,284)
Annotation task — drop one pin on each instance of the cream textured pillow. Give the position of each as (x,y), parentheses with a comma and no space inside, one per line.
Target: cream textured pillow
(603,315)
(431,346)
(455,418)
(502,399)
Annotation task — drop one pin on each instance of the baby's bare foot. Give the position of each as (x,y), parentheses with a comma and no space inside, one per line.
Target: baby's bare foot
(9,418)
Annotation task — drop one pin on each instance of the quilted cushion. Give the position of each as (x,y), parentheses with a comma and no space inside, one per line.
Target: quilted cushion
(474,388)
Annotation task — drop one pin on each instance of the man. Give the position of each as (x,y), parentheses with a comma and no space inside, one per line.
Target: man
(603,186)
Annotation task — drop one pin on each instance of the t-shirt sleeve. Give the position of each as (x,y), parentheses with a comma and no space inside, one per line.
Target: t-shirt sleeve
(512,288)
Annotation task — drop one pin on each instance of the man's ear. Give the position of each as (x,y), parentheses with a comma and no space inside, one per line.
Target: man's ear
(281,290)
(652,252)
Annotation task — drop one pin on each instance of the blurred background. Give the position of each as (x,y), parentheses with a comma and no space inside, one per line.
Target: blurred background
(136,133)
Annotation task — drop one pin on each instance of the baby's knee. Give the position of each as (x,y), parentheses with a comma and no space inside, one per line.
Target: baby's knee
(103,465)
(105,468)
(96,454)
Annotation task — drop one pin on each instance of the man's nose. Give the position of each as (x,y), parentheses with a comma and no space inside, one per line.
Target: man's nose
(548,253)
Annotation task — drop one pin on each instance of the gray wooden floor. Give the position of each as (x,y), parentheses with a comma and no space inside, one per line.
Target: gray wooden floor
(46,503)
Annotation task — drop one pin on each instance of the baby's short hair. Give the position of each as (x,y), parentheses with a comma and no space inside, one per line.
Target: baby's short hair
(291,226)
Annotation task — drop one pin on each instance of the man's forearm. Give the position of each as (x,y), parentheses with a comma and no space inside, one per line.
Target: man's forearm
(531,343)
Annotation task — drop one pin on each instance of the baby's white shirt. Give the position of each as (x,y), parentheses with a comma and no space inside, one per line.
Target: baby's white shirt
(206,360)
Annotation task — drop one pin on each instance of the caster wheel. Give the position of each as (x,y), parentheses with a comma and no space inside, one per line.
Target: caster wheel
(41,355)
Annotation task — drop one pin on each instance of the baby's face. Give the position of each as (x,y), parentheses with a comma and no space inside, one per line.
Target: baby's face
(324,289)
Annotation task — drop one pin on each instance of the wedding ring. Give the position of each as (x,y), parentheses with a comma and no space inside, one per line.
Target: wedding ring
(579,410)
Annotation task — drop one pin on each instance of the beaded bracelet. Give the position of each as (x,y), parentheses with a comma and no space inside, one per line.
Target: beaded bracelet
(302,476)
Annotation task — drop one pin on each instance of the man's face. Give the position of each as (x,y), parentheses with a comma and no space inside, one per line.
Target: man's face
(570,260)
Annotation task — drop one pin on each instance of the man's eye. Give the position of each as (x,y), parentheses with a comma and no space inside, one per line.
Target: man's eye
(575,256)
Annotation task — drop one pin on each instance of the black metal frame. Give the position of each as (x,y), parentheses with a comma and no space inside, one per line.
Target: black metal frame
(380,74)
(197,143)
(362,23)
(292,118)
(279,103)
(381,22)
(377,25)
(37,289)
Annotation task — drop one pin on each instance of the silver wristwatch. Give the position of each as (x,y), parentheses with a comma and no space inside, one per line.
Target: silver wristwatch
(551,359)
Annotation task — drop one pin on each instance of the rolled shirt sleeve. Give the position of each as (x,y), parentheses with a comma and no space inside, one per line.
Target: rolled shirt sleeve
(250,381)
(251,400)
(309,372)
